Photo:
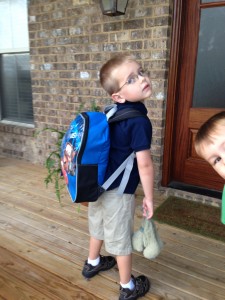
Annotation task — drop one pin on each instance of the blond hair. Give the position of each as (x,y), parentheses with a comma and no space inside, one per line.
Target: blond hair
(107,80)
(204,134)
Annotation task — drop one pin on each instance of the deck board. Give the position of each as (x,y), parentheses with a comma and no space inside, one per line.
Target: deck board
(33,279)
(43,245)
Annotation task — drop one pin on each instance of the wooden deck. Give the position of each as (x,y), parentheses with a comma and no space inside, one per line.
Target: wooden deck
(43,247)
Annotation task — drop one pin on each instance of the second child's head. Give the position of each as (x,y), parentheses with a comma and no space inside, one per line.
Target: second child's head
(210,142)
(124,79)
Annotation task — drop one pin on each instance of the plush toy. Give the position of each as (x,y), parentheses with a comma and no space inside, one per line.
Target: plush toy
(146,239)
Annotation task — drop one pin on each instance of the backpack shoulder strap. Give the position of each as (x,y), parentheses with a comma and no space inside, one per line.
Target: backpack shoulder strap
(125,114)
(126,166)
(110,111)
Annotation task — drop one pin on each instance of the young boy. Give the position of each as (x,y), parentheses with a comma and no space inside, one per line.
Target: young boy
(210,142)
(111,216)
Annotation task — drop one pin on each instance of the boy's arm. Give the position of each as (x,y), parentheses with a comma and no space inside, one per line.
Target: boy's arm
(146,172)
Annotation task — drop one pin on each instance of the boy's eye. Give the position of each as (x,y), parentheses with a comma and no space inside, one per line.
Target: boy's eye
(217,160)
(141,72)
(132,79)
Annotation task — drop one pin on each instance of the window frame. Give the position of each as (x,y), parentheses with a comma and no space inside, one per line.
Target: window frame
(27,122)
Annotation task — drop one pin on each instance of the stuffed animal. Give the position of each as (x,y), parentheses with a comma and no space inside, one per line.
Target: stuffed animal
(146,239)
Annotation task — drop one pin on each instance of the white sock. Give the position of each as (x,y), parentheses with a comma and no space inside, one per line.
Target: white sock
(94,262)
(130,285)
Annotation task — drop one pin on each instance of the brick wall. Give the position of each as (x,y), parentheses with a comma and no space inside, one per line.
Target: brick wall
(69,41)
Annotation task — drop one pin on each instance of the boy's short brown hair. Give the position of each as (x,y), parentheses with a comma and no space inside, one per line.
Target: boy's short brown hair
(107,80)
(205,131)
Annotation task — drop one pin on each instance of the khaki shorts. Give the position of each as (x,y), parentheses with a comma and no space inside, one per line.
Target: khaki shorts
(111,219)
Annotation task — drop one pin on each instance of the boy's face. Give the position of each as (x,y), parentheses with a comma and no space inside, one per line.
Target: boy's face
(214,152)
(134,83)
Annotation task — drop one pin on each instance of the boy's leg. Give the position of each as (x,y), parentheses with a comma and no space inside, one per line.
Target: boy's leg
(96,262)
(94,248)
(130,287)
(119,215)
(124,265)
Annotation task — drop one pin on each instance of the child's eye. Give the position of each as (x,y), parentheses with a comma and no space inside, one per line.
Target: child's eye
(141,72)
(217,160)
(132,79)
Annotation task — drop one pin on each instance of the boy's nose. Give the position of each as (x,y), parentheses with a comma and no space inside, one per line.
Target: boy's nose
(141,78)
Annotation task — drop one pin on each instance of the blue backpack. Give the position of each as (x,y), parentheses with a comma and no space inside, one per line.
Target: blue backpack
(85,151)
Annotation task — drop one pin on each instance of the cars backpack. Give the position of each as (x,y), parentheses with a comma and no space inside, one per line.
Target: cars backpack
(85,151)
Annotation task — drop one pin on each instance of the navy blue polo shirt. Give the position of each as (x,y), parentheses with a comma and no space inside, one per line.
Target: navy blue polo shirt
(126,136)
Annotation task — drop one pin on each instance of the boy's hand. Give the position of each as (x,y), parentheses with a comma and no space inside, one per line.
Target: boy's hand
(147,208)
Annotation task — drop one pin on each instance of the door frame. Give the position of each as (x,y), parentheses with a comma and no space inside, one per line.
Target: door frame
(177,44)
(171,92)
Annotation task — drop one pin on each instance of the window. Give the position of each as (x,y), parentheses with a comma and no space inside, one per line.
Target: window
(15,79)
(209,89)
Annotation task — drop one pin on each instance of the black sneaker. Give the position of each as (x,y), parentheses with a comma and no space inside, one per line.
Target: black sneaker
(142,286)
(106,263)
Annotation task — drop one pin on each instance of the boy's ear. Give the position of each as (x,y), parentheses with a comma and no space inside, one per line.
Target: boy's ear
(117,98)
